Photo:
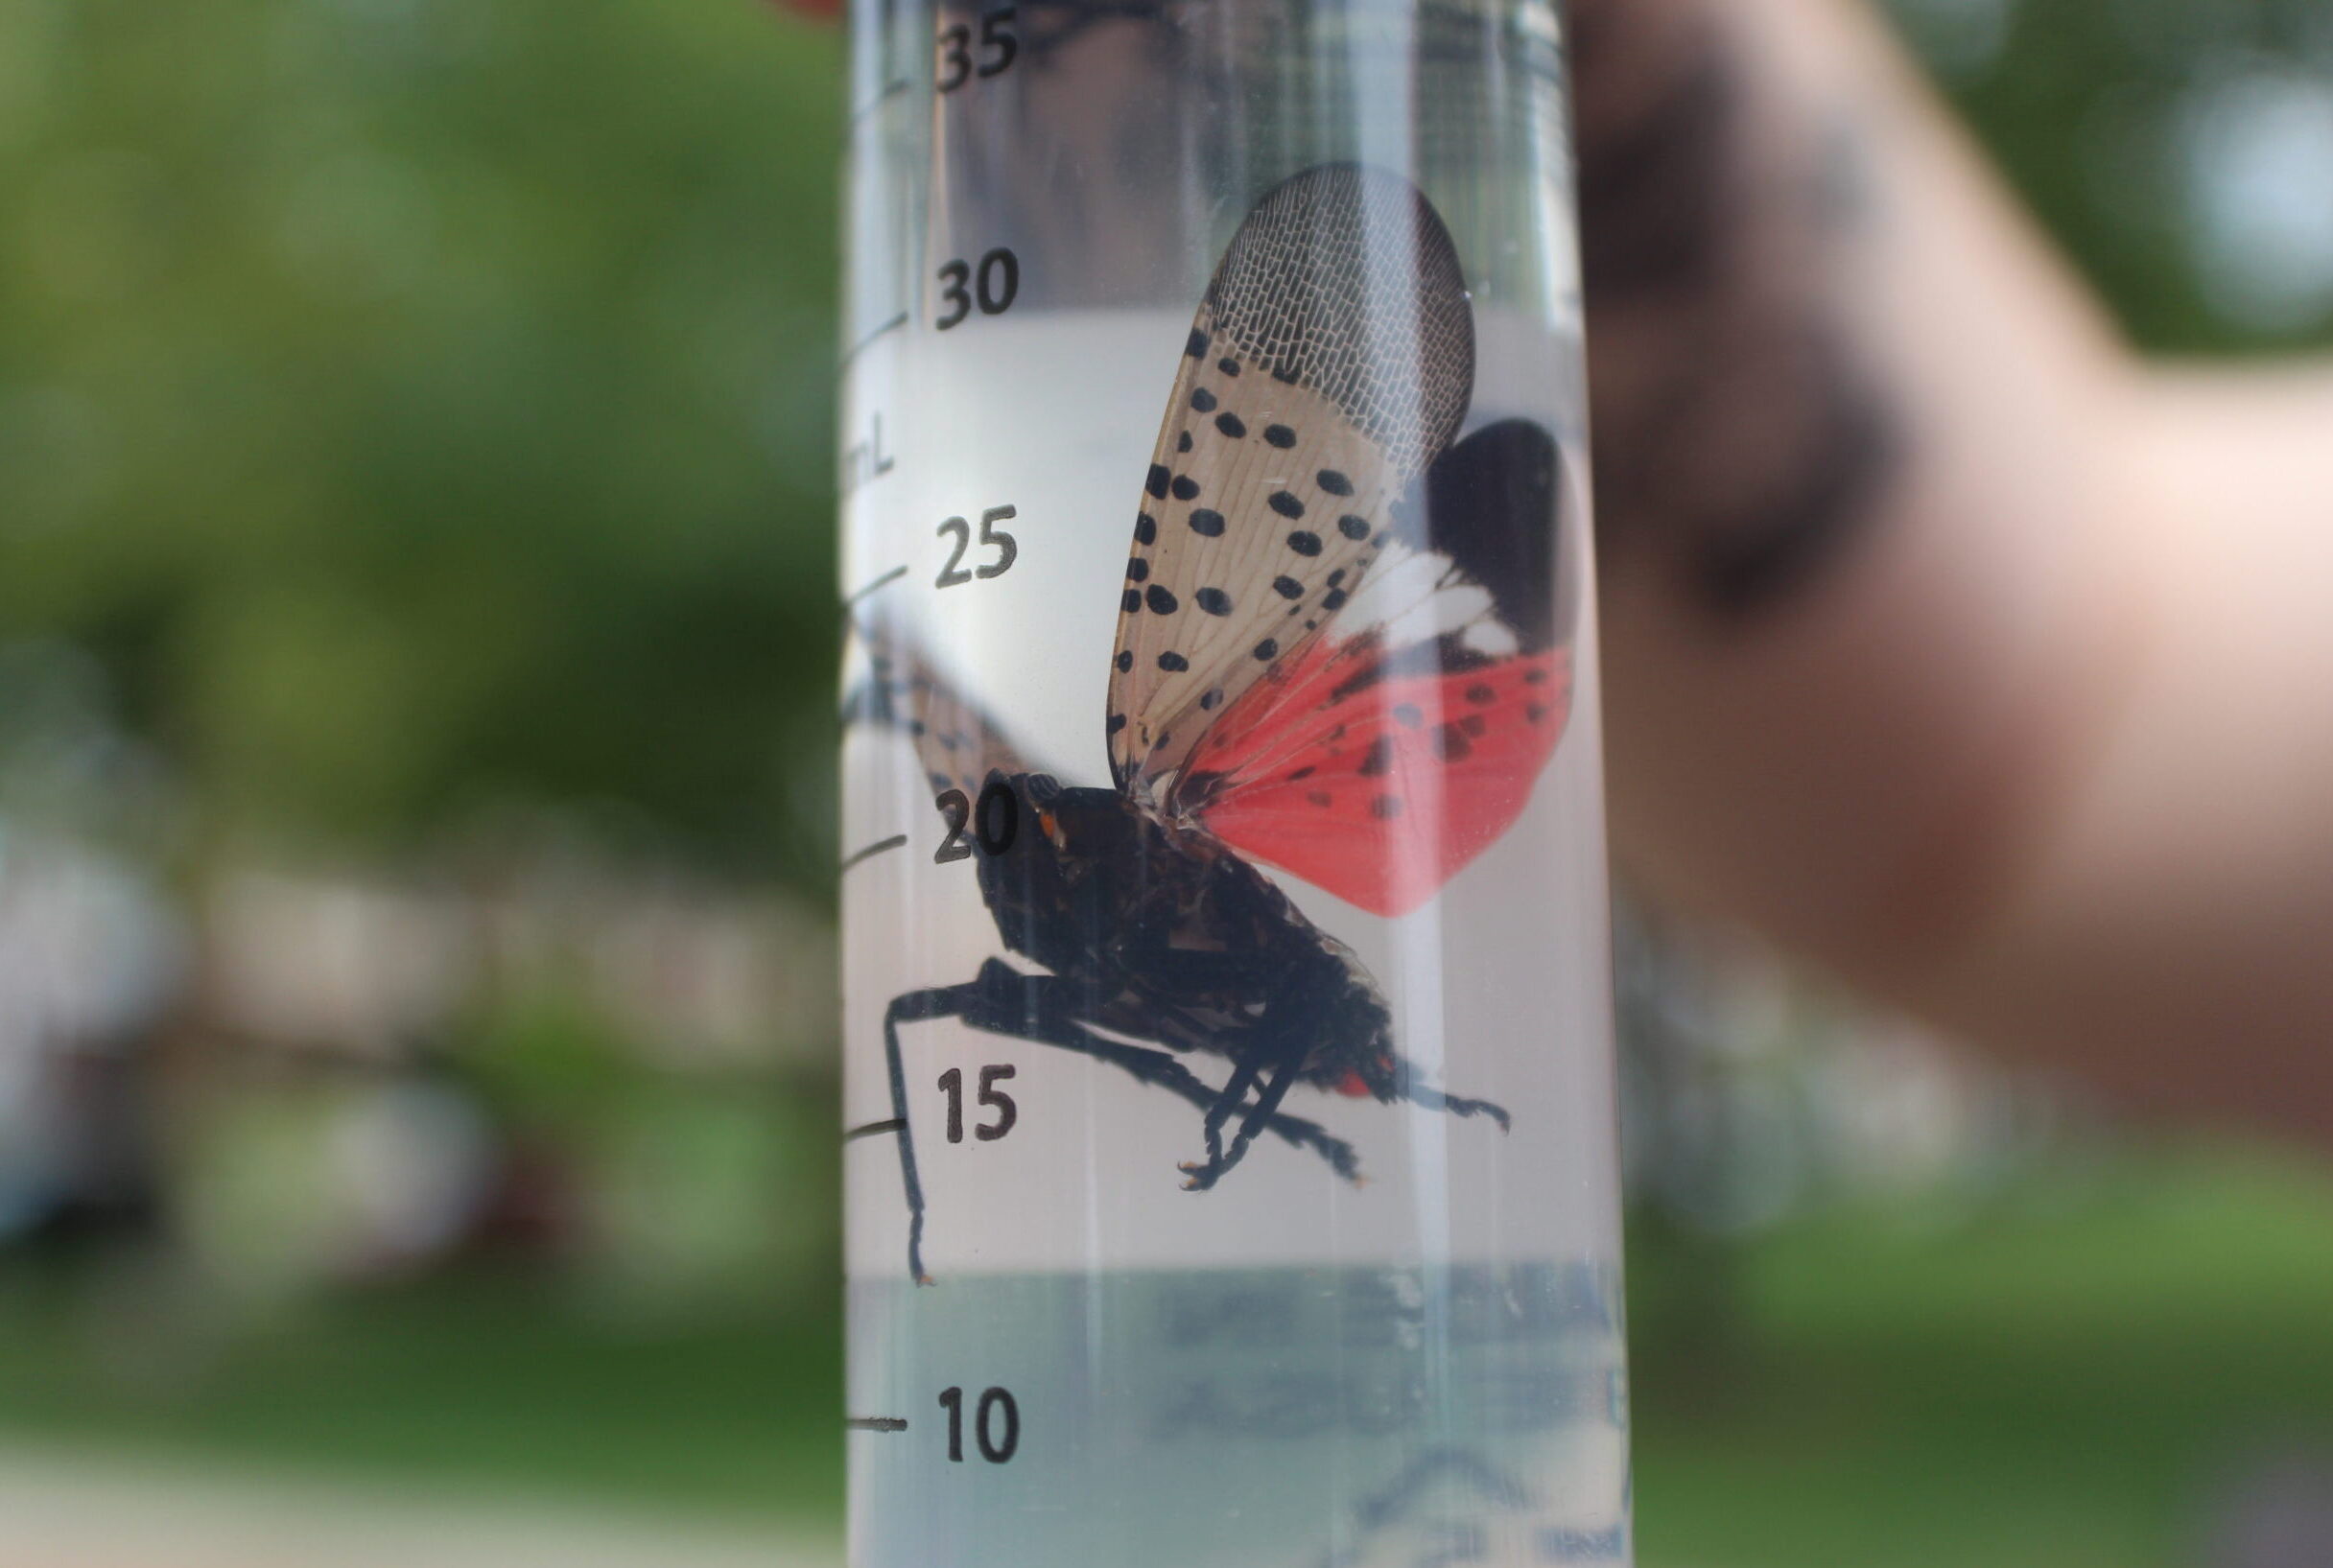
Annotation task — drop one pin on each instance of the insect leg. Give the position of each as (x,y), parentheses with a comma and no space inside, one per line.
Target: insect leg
(1266,1107)
(1041,1008)
(915,1007)
(1430,1098)
(1244,1078)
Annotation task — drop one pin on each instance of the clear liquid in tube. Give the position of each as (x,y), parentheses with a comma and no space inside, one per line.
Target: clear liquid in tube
(1423,1366)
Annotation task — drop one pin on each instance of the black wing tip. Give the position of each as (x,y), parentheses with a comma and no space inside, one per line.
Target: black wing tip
(1494,505)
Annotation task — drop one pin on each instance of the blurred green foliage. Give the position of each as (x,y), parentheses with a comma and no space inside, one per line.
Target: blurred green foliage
(420,405)
(2090,111)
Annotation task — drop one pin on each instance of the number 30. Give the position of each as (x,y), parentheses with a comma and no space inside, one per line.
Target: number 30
(997,284)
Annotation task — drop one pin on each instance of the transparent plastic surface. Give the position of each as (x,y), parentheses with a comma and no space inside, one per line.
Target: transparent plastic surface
(1231,1169)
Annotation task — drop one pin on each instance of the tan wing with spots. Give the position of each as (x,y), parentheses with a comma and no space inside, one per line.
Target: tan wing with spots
(1331,362)
(956,742)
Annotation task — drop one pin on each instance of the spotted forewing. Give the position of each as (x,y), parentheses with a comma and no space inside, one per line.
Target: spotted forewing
(958,744)
(1331,361)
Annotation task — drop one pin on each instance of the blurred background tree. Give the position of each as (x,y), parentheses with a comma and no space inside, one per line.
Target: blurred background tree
(417,640)
(410,408)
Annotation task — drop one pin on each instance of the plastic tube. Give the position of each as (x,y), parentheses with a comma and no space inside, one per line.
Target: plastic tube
(1231,1160)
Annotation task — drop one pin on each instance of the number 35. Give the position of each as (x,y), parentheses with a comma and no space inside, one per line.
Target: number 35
(997,43)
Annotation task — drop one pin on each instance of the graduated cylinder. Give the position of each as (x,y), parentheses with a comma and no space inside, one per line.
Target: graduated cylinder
(1230,1156)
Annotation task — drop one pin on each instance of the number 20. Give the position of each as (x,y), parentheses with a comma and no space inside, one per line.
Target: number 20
(995,822)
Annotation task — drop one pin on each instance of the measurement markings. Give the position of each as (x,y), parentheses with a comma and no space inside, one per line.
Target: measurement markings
(899,842)
(884,581)
(891,89)
(864,344)
(875,1423)
(876,1129)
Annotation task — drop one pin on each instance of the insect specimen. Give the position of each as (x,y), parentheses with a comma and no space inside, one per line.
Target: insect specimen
(1342,652)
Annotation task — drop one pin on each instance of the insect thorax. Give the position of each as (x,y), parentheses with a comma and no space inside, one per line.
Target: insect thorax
(1167,920)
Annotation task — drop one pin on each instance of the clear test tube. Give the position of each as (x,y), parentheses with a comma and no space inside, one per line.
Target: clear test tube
(1231,1159)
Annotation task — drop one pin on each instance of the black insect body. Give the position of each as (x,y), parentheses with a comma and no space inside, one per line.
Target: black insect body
(1201,952)
(1309,443)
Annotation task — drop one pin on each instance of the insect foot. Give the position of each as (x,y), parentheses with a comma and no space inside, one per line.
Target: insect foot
(1427,1098)
(1478,1107)
(1198,1177)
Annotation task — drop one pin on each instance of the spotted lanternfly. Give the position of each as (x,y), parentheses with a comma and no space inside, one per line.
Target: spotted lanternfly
(1341,652)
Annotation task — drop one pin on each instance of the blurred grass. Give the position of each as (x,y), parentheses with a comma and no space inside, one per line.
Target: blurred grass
(2064,1379)
(492,1383)
(2068,1383)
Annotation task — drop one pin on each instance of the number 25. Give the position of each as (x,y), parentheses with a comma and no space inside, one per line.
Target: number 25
(992,537)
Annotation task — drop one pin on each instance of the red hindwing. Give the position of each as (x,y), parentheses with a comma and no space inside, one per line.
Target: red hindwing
(1376,784)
